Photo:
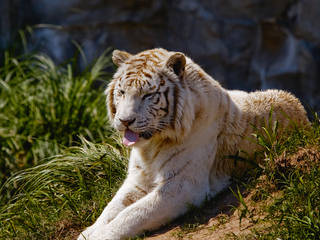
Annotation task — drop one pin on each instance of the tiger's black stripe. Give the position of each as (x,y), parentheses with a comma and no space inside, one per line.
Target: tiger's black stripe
(166,109)
(176,95)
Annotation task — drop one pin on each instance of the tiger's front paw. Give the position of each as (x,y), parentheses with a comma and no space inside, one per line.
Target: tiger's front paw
(88,233)
(85,235)
(98,233)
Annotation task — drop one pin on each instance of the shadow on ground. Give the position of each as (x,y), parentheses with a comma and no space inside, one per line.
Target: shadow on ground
(217,211)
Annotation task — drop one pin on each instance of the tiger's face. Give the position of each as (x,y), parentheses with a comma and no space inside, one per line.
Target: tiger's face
(142,98)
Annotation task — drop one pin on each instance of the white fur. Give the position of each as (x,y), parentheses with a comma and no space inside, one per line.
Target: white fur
(163,179)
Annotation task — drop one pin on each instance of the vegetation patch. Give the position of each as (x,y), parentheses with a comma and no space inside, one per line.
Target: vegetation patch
(68,191)
(45,108)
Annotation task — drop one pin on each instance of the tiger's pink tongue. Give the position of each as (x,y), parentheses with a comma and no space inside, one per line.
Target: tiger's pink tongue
(130,138)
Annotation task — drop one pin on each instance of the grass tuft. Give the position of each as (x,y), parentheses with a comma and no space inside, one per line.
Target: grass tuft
(74,186)
(45,107)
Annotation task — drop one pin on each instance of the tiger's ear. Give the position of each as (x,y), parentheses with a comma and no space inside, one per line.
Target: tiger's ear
(177,63)
(119,57)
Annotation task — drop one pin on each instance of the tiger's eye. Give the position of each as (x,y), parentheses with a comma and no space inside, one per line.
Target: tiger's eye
(121,92)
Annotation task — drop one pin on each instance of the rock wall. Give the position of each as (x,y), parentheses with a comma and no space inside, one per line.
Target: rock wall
(248,44)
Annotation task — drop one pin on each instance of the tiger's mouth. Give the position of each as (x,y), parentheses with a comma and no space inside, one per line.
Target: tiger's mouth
(130,138)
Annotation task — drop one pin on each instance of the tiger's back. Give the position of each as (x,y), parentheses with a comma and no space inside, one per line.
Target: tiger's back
(250,112)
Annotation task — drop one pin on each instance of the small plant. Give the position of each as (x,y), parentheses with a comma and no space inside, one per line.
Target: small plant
(268,137)
(243,209)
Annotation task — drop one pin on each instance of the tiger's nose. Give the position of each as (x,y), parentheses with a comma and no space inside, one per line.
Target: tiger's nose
(127,122)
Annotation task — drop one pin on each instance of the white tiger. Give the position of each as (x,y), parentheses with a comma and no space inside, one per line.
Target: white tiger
(181,125)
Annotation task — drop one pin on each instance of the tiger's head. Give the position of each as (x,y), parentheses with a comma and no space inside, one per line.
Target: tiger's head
(146,97)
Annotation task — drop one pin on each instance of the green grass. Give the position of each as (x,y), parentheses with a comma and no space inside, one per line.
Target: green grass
(60,161)
(71,188)
(45,108)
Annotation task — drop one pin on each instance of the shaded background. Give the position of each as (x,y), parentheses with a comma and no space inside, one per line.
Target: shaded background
(247,44)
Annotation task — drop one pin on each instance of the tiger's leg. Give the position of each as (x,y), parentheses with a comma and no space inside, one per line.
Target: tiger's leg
(156,208)
(126,195)
(218,183)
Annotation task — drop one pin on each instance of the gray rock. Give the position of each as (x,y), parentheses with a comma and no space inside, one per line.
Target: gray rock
(305,18)
(248,44)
